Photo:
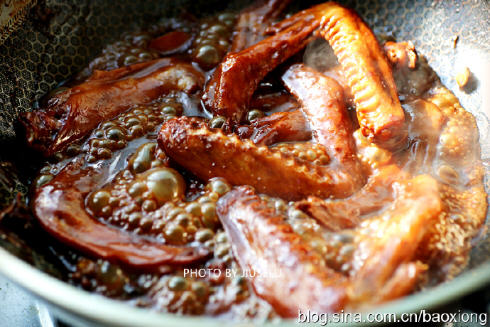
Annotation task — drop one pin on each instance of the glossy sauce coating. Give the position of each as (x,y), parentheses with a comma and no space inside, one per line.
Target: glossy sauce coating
(210,153)
(248,68)
(76,111)
(60,208)
(291,276)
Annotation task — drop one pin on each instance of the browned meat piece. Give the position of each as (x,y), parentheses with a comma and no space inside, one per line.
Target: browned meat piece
(60,208)
(291,276)
(347,213)
(322,102)
(73,113)
(210,153)
(248,67)
(363,62)
(278,127)
(379,258)
(367,72)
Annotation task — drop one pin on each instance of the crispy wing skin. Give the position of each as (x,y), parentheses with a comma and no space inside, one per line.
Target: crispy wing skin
(293,126)
(322,102)
(60,208)
(234,81)
(363,62)
(365,67)
(367,72)
(72,114)
(253,22)
(289,274)
(278,127)
(210,153)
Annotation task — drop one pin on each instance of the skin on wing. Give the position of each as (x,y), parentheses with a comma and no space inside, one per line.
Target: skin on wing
(403,281)
(293,126)
(210,153)
(374,195)
(323,104)
(457,165)
(291,276)
(393,238)
(248,67)
(367,72)
(362,59)
(278,127)
(73,113)
(348,213)
(60,208)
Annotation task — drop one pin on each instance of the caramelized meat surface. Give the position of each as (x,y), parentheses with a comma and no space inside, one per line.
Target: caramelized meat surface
(60,208)
(279,127)
(248,67)
(289,275)
(292,276)
(73,113)
(322,102)
(209,153)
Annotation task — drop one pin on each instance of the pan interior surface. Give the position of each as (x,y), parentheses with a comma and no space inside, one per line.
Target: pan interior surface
(57,39)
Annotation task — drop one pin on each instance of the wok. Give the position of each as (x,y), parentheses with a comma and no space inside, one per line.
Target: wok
(42,43)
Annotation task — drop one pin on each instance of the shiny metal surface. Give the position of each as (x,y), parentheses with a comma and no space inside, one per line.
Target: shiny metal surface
(84,309)
(20,308)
